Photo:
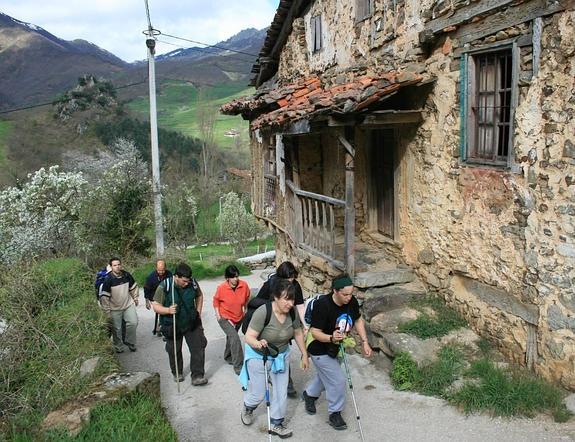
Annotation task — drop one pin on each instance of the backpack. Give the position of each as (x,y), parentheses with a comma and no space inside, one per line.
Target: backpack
(309,303)
(100,277)
(253,305)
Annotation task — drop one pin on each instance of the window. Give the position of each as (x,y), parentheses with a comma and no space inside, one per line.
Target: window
(490,107)
(316,37)
(362,9)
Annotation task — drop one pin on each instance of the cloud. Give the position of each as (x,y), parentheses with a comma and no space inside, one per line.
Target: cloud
(117,25)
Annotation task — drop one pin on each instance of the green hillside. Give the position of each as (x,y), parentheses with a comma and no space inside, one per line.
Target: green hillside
(177,104)
(5,127)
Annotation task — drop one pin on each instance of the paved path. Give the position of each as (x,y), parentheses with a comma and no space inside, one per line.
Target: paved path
(212,412)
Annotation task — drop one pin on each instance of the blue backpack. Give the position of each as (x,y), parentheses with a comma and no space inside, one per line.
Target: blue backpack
(309,307)
(100,277)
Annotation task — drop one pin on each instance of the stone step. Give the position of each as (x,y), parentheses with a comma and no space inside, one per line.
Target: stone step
(366,280)
(383,299)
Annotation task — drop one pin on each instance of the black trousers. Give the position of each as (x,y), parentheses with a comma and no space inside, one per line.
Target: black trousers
(196,341)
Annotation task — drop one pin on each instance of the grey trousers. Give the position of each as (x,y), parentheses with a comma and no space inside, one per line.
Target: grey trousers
(257,388)
(329,377)
(234,351)
(130,317)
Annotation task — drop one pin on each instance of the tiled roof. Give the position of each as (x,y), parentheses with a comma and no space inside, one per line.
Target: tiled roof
(308,99)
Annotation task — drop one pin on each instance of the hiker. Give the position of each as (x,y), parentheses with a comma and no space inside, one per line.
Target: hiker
(280,328)
(152,282)
(286,270)
(333,316)
(181,296)
(230,301)
(119,299)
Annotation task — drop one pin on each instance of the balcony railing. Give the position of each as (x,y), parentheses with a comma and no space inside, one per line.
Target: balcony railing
(311,222)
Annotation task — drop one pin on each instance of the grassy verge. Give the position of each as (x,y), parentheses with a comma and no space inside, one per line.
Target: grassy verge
(436,319)
(486,387)
(54,324)
(207,261)
(137,417)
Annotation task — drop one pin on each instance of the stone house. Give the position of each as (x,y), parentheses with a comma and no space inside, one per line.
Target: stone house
(433,135)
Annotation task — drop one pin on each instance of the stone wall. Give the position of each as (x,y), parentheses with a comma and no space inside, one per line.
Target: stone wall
(508,229)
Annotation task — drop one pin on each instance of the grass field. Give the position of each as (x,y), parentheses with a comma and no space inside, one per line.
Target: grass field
(177,107)
(5,127)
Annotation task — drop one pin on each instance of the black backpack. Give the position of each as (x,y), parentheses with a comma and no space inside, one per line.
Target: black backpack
(253,305)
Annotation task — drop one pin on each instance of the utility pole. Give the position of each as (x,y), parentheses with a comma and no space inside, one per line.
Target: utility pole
(156,187)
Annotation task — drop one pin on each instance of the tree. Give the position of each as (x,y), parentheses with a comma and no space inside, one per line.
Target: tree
(206,119)
(116,214)
(39,218)
(237,224)
(180,211)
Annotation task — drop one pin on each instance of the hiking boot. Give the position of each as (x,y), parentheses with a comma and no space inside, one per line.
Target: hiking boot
(247,415)
(179,378)
(309,403)
(131,347)
(336,421)
(282,431)
(199,380)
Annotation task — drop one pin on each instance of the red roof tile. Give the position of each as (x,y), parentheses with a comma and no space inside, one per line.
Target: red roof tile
(307,97)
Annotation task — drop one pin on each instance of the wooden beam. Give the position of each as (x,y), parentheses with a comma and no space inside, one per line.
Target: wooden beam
(349,227)
(341,121)
(347,145)
(298,128)
(460,16)
(522,13)
(392,118)
(314,196)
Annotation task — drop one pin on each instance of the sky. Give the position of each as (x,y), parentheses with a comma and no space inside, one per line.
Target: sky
(117,25)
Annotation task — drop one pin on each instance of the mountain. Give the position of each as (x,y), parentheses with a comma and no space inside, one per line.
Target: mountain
(248,41)
(36,66)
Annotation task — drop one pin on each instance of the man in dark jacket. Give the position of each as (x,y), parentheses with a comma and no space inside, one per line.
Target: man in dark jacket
(152,282)
(181,297)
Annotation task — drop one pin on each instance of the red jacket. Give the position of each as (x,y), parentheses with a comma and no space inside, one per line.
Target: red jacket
(230,302)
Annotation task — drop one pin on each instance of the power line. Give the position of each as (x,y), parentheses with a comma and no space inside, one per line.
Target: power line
(209,45)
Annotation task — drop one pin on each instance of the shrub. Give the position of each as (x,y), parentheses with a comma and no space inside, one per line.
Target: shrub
(427,326)
(53,324)
(38,218)
(509,393)
(404,373)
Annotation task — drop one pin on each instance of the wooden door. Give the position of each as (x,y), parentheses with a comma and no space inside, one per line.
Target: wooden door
(382,179)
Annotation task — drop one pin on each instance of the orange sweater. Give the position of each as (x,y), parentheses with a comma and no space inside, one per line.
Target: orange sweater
(230,302)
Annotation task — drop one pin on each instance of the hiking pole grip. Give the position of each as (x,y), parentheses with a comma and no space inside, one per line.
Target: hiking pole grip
(175,352)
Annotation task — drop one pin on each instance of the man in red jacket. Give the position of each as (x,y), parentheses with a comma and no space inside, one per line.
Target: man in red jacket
(230,303)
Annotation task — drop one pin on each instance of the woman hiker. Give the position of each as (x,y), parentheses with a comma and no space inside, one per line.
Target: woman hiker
(230,301)
(286,270)
(281,326)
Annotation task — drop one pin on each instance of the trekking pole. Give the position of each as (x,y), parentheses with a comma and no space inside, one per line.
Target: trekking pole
(175,352)
(351,389)
(266,353)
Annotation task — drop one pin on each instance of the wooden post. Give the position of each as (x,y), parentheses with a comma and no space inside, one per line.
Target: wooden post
(349,231)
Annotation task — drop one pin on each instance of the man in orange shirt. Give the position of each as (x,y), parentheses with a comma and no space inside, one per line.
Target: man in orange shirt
(230,303)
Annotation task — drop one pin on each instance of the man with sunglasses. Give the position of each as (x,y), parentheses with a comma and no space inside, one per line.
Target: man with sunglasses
(333,317)
(181,296)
